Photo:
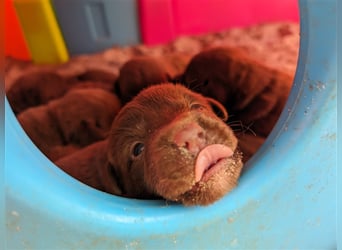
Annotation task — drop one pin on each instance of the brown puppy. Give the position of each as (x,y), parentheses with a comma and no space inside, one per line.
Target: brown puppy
(94,78)
(90,166)
(36,88)
(97,75)
(167,142)
(39,87)
(137,74)
(252,93)
(79,118)
(141,72)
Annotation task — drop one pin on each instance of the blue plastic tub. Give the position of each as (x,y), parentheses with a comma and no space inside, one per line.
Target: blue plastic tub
(287,199)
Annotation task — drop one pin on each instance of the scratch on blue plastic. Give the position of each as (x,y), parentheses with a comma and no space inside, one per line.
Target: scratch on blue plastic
(285,200)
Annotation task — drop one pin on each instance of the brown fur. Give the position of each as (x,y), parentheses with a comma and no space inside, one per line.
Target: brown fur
(162,169)
(39,87)
(36,88)
(249,144)
(141,72)
(95,78)
(253,93)
(90,166)
(97,75)
(79,118)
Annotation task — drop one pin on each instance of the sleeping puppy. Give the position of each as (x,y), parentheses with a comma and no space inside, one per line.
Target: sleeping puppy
(94,78)
(39,87)
(167,142)
(137,74)
(143,71)
(36,88)
(252,93)
(90,166)
(79,118)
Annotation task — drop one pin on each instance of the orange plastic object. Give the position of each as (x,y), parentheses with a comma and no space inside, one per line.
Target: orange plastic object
(41,31)
(15,44)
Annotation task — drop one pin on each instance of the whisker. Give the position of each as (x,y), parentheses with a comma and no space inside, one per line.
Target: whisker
(194,85)
(238,126)
(248,128)
(235,123)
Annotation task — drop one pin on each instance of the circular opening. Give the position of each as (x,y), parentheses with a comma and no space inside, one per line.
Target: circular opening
(261,153)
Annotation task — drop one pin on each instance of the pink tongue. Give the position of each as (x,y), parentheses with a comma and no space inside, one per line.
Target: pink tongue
(209,156)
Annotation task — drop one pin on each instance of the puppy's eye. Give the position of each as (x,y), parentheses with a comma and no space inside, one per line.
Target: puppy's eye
(197,106)
(138,148)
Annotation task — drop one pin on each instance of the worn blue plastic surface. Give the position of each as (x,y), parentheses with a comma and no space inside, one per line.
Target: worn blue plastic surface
(287,199)
(90,26)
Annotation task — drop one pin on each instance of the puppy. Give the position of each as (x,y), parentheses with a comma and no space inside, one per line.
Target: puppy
(39,87)
(36,88)
(90,166)
(97,75)
(79,118)
(143,71)
(94,78)
(252,93)
(137,74)
(167,142)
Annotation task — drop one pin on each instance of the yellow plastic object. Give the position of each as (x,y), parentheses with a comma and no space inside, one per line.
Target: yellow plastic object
(41,31)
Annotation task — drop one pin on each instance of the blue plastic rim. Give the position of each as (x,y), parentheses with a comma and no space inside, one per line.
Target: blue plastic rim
(285,200)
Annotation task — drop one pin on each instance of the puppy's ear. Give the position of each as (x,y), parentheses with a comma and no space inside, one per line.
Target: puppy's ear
(110,180)
(218,108)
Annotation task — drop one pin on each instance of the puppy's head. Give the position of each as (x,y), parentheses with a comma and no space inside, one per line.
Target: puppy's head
(173,143)
(137,74)
(218,73)
(205,69)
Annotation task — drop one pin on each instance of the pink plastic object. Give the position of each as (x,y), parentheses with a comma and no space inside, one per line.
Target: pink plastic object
(164,20)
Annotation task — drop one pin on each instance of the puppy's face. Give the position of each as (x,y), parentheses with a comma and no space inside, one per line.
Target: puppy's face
(173,143)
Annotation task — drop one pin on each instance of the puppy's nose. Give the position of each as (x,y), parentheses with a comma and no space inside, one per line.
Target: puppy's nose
(191,137)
